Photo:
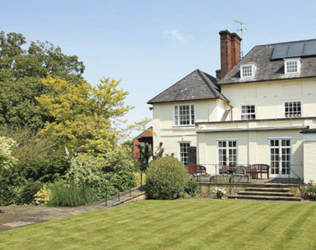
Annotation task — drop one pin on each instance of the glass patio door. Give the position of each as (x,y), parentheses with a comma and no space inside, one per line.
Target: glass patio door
(280,157)
(227,153)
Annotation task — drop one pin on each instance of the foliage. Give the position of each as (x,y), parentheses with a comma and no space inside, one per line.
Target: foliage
(7,160)
(85,170)
(140,178)
(191,187)
(47,107)
(159,152)
(116,182)
(309,191)
(45,170)
(81,113)
(21,68)
(37,156)
(219,192)
(166,178)
(145,154)
(70,195)
(20,191)
(30,144)
(42,196)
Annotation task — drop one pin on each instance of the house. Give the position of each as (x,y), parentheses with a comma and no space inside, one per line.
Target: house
(260,109)
(143,139)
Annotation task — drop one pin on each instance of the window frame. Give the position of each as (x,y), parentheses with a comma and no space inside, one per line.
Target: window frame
(227,149)
(291,60)
(280,156)
(293,116)
(177,119)
(241,114)
(253,70)
(180,153)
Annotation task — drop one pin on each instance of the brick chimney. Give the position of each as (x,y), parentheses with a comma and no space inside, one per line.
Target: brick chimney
(230,52)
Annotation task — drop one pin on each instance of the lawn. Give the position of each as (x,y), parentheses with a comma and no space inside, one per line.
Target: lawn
(179,224)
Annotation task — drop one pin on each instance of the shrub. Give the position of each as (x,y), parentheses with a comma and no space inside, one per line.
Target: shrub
(191,187)
(7,160)
(309,191)
(140,179)
(42,196)
(15,189)
(70,195)
(116,182)
(166,178)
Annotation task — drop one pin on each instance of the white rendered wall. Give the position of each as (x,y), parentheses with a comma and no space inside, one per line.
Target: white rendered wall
(309,157)
(170,135)
(269,97)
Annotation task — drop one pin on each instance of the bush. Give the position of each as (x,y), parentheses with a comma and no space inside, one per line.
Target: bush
(42,196)
(191,187)
(309,191)
(15,189)
(166,178)
(140,178)
(116,182)
(69,195)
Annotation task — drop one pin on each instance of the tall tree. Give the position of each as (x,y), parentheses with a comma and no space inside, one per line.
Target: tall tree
(80,114)
(21,69)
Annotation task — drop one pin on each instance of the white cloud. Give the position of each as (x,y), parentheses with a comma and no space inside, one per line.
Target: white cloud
(175,34)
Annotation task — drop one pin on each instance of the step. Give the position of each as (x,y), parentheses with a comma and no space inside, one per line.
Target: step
(268,189)
(265,193)
(260,197)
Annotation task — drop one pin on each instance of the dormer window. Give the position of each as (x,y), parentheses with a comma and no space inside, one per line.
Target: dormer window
(292,66)
(247,70)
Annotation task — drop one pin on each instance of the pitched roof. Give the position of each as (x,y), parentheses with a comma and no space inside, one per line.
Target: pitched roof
(195,86)
(268,69)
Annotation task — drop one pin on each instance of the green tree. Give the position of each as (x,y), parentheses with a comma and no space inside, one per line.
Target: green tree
(81,114)
(21,70)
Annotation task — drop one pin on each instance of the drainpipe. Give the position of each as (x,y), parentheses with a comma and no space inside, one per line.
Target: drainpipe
(231,111)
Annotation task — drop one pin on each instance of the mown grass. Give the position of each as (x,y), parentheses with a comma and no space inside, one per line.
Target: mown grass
(179,224)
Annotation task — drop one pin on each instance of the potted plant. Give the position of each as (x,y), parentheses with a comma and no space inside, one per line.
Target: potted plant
(219,192)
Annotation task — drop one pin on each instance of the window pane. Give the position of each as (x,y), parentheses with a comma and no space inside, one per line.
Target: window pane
(227,153)
(248,112)
(293,109)
(184,148)
(184,115)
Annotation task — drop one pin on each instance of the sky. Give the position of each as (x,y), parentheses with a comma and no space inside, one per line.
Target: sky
(150,45)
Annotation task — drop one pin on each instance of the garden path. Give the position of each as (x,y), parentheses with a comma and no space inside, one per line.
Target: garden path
(20,216)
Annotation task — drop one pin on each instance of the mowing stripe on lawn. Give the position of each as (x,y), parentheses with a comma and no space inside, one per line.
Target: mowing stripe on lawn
(179,224)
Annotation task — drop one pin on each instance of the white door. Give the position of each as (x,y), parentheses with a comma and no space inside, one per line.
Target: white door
(280,157)
(227,153)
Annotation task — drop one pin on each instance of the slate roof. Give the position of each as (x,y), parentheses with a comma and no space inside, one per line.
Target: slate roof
(195,86)
(268,69)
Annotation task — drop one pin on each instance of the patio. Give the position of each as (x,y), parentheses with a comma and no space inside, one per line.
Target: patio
(241,174)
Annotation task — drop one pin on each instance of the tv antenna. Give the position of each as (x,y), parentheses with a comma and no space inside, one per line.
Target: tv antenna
(241,29)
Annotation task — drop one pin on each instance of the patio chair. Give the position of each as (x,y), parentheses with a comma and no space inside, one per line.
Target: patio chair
(240,169)
(224,170)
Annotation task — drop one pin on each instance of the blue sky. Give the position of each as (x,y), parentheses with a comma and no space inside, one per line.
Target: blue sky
(148,44)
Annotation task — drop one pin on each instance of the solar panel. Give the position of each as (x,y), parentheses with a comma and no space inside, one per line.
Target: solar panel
(295,49)
(310,48)
(280,51)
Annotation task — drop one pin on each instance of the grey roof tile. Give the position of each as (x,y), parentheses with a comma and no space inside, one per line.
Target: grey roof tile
(268,69)
(195,86)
